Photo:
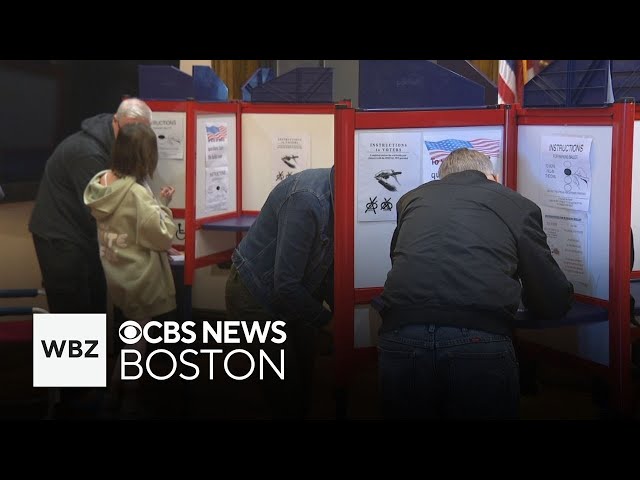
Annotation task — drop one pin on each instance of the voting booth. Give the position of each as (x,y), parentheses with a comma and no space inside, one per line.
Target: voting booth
(380,155)
(576,164)
(585,197)
(224,157)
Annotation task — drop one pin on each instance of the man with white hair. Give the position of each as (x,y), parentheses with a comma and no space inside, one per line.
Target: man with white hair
(64,232)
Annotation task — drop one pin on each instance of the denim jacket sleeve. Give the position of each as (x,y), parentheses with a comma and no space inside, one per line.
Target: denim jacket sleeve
(299,224)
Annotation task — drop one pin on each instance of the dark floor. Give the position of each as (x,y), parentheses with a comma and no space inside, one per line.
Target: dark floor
(554,394)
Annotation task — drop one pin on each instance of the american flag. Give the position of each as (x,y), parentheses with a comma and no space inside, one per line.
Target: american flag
(216,133)
(507,90)
(440,150)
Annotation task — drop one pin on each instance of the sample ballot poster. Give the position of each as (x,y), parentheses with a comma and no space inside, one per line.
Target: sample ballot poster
(566,172)
(216,168)
(169,129)
(290,154)
(438,143)
(388,167)
(567,239)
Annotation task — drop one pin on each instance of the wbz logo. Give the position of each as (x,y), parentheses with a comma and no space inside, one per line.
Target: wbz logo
(69,350)
(74,348)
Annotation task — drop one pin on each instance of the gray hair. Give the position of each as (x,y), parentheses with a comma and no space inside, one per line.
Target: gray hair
(134,108)
(465,159)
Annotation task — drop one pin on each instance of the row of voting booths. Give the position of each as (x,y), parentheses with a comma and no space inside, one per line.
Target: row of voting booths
(570,149)
(224,157)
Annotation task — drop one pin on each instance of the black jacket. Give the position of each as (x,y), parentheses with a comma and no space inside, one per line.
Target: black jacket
(465,252)
(59,211)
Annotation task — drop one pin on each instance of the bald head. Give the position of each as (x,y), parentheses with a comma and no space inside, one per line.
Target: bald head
(131,110)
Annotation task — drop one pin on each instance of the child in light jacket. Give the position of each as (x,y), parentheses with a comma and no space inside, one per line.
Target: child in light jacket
(135,230)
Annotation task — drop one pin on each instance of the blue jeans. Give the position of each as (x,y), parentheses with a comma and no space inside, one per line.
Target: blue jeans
(435,372)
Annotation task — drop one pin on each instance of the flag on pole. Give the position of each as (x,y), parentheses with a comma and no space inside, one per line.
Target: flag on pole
(534,67)
(507,92)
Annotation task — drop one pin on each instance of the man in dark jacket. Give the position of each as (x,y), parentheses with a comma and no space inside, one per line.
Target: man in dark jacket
(466,250)
(64,232)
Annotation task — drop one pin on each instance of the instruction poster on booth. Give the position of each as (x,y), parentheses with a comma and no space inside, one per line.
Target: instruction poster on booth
(566,172)
(388,167)
(567,239)
(169,130)
(290,154)
(216,168)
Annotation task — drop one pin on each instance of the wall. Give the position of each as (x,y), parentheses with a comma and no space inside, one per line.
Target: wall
(345,79)
(235,73)
(488,67)
(284,66)
(187,65)
(18,263)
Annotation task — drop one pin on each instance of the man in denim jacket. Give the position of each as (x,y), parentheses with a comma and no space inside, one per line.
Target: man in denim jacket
(283,270)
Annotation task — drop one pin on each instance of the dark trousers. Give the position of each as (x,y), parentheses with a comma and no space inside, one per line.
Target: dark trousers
(437,372)
(74,282)
(73,277)
(289,398)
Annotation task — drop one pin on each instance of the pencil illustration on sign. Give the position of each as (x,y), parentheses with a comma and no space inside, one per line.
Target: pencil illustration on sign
(383,177)
(290,160)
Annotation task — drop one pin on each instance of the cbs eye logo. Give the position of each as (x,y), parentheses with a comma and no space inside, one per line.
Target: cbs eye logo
(130,332)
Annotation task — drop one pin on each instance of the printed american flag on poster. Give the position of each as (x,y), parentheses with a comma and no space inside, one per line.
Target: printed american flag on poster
(216,133)
(440,150)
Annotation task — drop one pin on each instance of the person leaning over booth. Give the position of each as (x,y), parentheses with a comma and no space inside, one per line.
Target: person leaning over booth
(134,232)
(64,232)
(466,250)
(283,270)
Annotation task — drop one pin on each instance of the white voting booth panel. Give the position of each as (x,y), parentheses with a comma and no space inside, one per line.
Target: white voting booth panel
(260,136)
(170,129)
(260,132)
(207,198)
(405,153)
(212,157)
(591,341)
